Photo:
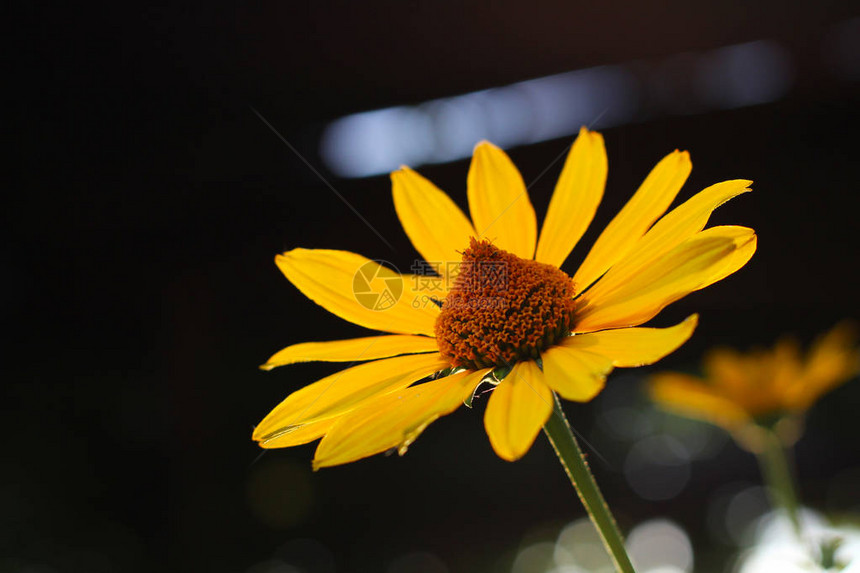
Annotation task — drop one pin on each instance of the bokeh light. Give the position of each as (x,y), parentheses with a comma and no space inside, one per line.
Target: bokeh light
(660,546)
(655,546)
(579,546)
(776,547)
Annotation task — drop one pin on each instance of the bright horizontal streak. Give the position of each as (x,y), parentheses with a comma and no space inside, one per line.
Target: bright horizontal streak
(744,74)
(447,129)
(561,104)
(376,142)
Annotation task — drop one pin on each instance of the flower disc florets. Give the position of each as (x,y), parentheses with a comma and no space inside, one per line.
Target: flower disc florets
(503,309)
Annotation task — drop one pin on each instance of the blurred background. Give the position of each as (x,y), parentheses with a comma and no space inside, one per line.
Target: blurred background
(148,200)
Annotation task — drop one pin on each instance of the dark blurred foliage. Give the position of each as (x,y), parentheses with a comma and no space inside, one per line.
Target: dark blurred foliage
(140,293)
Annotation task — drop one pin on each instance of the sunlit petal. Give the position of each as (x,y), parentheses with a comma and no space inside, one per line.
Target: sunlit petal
(517,410)
(630,347)
(499,203)
(354,288)
(346,390)
(352,350)
(670,231)
(297,435)
(575,200)
(576,374)
(395,420)
(434,223)
(647,205)
(701,260)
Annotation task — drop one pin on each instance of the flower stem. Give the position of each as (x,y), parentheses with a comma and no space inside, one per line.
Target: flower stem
(561,437)
(778,476)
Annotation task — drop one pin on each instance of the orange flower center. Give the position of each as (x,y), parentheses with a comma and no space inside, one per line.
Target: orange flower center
(503,309)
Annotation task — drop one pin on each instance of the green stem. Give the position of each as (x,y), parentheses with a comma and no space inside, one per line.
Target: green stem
(778,476)
(561,437)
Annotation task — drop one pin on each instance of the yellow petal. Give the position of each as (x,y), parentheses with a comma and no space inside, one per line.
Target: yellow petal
(746,242)
(575,200)
(835,355)
(755,381)
(434,223)
(630,347)
(297,435)
(499,203)
(670,231)
(701,260)
(354,350)
(576,374)
(517,410)
(728,371)
(689,396)
(648,203)
(357,289)
(784,369)
(833,359)
(395,420)
(346,390)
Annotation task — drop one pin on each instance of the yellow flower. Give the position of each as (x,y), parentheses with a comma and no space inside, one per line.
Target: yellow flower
(763,387)
(501,310)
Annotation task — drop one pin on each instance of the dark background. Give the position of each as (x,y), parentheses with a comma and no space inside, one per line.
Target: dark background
(146,205)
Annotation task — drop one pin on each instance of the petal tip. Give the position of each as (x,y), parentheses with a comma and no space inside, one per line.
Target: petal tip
(403,170)
(598,387)
(508,456)
(289,255)
(592,137)
(483,146)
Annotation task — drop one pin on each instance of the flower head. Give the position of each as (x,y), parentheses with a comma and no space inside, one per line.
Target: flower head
(488,321)
(774,387)
(498,308)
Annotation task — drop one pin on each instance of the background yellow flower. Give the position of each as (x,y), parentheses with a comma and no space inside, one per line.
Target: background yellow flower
(761,386)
